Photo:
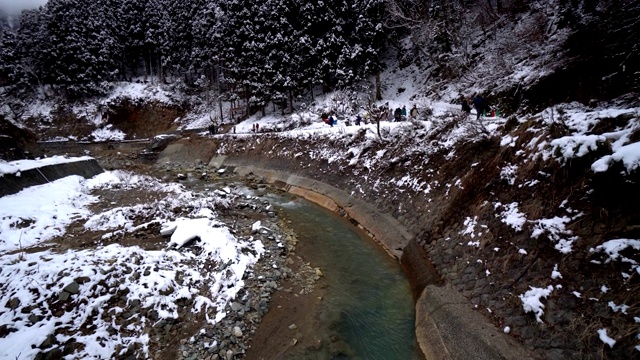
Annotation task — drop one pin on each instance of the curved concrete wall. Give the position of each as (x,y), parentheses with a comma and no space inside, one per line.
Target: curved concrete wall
(14,183)
(446,326)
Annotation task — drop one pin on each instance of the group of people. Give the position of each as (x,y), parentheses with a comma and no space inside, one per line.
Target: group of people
(400,114)
(329,119)
(383,113)
(479,103)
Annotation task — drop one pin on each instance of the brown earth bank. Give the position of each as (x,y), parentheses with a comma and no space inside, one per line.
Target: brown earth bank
(135,120)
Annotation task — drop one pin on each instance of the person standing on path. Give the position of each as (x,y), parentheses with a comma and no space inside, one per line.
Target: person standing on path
(414,112)
(481,105)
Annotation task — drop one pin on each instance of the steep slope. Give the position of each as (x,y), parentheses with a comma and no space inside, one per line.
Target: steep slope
(512,214)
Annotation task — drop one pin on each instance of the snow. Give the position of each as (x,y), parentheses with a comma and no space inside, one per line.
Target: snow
(511,215)
(577,145)
(602,334)
(108,133)
(618,308)
(40,213)
(470,225)
(531,300)
(555,274)
(612,250)
(556,231)
(629,155)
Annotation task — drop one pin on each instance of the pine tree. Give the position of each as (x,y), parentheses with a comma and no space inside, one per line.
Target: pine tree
(132,35)
(84,49)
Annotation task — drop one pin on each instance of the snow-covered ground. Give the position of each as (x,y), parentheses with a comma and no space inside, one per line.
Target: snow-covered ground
(42,281)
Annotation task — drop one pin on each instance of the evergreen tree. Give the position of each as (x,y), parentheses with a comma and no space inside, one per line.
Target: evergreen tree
(132,35)
(33,45)
(205,53)
(84,49)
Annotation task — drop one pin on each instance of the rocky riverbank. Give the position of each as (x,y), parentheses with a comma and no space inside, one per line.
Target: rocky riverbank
(171,322)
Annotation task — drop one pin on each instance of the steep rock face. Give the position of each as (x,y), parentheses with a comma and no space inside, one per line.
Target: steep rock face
(456,205)
(15,142)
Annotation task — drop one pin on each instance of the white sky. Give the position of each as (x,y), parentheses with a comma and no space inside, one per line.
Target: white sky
(15,6)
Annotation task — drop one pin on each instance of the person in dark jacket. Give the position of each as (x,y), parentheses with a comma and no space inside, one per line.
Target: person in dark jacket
(481,105)
(465,105)
(397,114)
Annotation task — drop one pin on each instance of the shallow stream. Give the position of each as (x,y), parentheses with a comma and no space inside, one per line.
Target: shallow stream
(367,311)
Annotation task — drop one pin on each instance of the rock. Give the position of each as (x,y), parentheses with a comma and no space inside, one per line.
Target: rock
(14,303)
(294,341)
(63,296)
(72,288)
(235,306)
(48,342)
(35,318)
(237,332)
(292,327)
(82,279)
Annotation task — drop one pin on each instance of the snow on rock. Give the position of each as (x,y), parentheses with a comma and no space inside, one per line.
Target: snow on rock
(556,231)
(511,215)
(184,230)
(531,300)
(256,226)
(629,155)
(602,333)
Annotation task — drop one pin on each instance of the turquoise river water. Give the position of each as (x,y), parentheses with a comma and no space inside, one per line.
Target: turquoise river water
(367,309)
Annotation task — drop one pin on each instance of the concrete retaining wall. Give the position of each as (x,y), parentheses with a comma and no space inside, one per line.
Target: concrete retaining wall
(447,327)
(14,183)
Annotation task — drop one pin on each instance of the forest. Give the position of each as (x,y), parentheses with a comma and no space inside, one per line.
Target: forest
(273,50)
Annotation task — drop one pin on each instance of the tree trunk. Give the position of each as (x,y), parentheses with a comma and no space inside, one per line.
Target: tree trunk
(290,101)
(378,86)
